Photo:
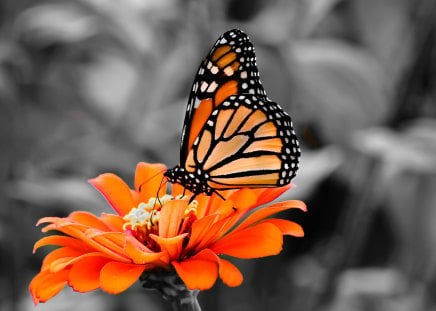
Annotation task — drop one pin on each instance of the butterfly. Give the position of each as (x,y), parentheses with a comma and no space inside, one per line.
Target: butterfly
(233,135)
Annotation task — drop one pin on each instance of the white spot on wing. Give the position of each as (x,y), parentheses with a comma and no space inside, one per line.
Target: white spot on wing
(203,86)
(212,87)
(228,71)
(197,103)
(214,70)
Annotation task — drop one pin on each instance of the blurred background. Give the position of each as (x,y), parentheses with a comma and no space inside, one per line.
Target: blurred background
(93,86)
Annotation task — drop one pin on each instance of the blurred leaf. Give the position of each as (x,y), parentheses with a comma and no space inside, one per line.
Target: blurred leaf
(378,290)
(315,12)
(413,149)
(342,88)
(408,180)
(108,82)
(131,21)
(51,23)
(386,29)
(371,281)
(315,166)
(161,131)
(286,20)
(67,193)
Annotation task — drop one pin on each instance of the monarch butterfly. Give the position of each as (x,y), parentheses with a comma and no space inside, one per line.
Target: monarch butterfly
(233,136)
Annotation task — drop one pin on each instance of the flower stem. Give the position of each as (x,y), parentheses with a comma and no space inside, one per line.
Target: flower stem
(187,302)
(172,288)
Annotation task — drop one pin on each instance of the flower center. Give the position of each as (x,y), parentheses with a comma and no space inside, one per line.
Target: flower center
(145,218)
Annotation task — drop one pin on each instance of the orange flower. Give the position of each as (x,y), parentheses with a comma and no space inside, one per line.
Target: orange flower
(112,251)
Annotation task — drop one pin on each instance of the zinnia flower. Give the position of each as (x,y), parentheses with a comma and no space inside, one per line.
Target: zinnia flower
(154,231)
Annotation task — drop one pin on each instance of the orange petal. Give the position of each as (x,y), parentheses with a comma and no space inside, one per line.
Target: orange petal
(113,241)
(149,180)
(116,192)
(215,232)
(48,219)
(267,195)
(46,285)
(244,199)
(199,230)
(62,263)
(172,246)
(85,274)
(63,252)
(177,189)
(114,222)
(60,240)
(203,205)
(116,277)
(225,208)
(109,250)
(200,271)
(230,275)
(110,244)
(89,219)
(286,227)
(214,204)
(270,210)
(254,242)
(139,253)
(171,216)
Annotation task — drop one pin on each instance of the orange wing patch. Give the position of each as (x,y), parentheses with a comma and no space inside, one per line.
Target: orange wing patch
(220,52)
(227,89)
(245,165)
(272,145)
(225,149)
(204,145)
(201,114)
(222,120)
(266,130)
(238,118)
(256,118)
(261,180)
(226,59)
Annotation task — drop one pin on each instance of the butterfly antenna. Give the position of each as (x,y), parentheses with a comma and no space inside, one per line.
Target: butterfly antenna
(157,200)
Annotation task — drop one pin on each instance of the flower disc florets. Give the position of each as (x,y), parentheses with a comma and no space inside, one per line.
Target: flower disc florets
(144,219)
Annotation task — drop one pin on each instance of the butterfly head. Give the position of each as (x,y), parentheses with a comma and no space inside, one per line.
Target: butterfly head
(194,182)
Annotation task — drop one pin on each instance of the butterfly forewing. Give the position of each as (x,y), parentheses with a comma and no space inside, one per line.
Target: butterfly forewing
(229,69)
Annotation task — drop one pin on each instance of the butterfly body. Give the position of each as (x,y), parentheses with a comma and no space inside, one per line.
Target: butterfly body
(234,136)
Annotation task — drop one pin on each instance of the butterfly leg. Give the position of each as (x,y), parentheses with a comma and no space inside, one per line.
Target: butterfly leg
(216,191)
(219,194)
(192,198)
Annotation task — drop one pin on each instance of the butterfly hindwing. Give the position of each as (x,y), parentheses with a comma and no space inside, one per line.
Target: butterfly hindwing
(229,69)
(246,142)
